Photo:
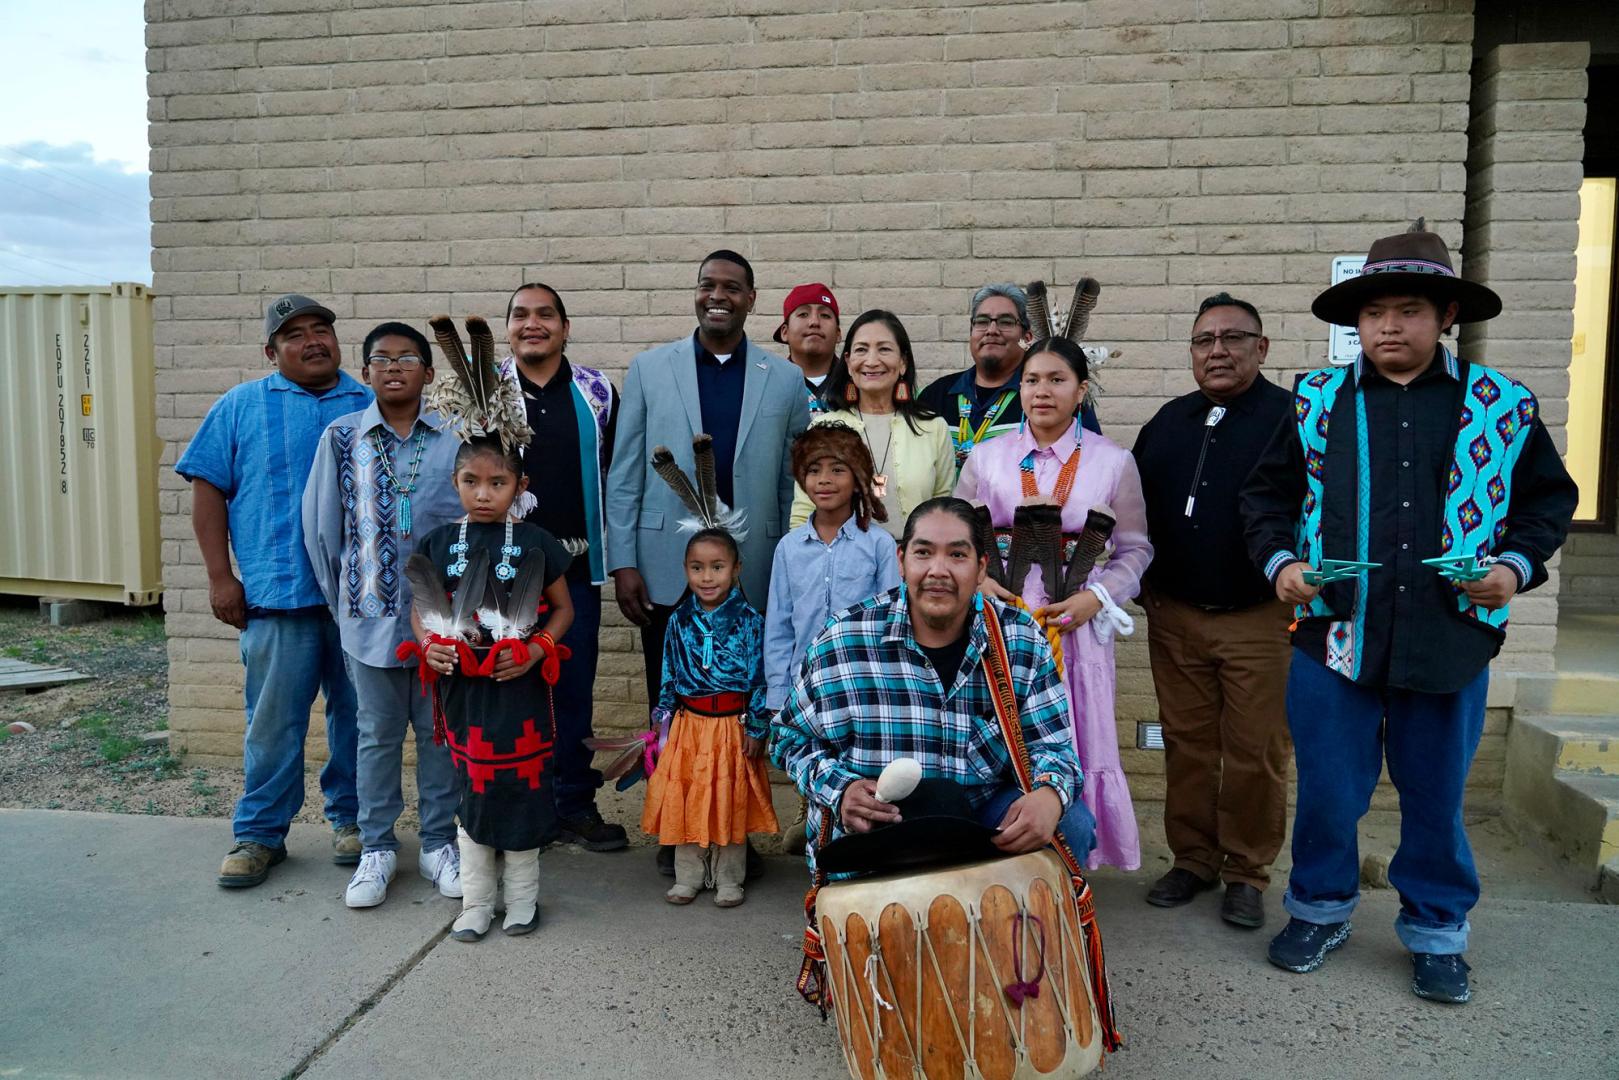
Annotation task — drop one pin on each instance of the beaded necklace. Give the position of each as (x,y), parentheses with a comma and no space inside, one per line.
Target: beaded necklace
(1065,478)
(404,490)
(966,437)
(504,570)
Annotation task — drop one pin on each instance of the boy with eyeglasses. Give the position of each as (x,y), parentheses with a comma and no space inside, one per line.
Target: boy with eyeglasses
(382,480)
(1216,634)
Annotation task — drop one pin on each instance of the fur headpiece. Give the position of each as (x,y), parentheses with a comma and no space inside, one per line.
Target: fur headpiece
(701,499)
(842,443)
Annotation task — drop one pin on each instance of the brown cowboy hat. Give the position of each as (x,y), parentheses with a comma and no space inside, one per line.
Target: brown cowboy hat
(1413,261)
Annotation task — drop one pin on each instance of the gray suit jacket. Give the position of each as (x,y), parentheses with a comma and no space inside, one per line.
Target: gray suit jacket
(659,407)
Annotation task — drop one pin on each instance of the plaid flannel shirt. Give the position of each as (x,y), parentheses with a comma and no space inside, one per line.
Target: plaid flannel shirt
(866,695)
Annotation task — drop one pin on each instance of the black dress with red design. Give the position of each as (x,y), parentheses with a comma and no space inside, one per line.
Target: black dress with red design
(501,734)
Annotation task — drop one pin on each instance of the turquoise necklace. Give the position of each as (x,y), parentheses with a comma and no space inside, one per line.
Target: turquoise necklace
(404,490)
(504,570)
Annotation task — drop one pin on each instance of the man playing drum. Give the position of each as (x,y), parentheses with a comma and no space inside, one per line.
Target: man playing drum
(902,675)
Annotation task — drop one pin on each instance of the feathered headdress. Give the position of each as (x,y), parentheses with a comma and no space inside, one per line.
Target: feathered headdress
(1073,324)
(701,499)
(475,393)
(483,402)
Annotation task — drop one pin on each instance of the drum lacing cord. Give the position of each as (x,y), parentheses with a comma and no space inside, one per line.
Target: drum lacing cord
(1025,988)
(876,996)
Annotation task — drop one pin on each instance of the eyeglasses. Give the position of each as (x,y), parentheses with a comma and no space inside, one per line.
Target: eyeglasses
(1231,339)
(405,362)
(1005,322)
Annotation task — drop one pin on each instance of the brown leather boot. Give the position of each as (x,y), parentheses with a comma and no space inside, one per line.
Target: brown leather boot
(248,864)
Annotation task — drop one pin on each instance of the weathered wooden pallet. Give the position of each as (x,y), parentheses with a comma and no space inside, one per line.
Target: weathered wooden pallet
(20,676)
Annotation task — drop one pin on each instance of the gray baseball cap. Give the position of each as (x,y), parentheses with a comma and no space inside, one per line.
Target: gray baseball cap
(286,308)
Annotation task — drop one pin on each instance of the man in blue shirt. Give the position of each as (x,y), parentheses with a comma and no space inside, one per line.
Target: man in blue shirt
(248,465)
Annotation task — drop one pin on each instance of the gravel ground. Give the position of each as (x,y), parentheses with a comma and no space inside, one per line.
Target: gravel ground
(87,753)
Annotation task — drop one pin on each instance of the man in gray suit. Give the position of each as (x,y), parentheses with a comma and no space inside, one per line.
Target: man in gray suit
(753,405)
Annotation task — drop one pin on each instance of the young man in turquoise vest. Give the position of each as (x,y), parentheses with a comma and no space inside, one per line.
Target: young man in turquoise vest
(1400,508)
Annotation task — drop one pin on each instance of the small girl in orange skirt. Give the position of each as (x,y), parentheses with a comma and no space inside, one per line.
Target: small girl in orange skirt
(710,789)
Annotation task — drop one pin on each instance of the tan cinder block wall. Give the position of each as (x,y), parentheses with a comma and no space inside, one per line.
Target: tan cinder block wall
(1590,571)
(1522,224)
(402,159)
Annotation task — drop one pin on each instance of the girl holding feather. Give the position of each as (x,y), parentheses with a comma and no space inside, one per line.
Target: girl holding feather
(710,789)
(491,602)
(1064,497)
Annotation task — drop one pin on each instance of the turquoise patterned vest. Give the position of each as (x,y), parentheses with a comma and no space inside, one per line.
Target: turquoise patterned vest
(1495,411)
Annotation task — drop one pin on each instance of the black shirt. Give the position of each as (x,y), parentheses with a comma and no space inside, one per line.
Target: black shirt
(1415,636)
(943,397)
(535,542)
(719,395)
(1201,557)
(946,659)
(552,462)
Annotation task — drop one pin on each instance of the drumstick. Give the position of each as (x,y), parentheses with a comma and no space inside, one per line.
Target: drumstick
(898,779)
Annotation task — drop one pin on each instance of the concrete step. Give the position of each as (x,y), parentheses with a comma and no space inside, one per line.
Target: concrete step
(1578,811)
(1585,744)
(1592,803)
(1568,694)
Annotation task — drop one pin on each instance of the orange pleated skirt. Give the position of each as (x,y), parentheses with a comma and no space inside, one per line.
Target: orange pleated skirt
(705,790)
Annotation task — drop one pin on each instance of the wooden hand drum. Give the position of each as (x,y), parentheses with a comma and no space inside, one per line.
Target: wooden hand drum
(975,970)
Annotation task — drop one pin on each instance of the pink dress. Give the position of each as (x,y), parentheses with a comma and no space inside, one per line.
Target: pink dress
(1106,476)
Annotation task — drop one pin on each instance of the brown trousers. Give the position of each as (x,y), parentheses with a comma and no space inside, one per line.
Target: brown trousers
(1221,680)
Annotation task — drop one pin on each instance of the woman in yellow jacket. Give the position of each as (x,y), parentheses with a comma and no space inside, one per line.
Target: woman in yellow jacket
(873,390)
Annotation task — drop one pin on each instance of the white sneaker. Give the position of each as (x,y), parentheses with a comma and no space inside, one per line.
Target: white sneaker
(442,866)
(369,885)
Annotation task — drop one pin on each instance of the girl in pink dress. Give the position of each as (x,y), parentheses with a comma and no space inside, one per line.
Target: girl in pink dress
(1051,459)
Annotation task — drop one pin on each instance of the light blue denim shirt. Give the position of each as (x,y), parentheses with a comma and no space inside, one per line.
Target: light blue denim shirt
(256,445)
(810,581)
(352,523)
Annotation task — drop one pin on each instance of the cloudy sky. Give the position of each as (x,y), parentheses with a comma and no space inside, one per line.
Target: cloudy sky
(73,179)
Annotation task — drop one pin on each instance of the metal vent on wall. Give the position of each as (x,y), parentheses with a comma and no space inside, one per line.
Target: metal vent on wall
(1149,736)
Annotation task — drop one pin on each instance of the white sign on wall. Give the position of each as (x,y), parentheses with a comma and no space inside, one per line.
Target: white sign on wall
(1343,346)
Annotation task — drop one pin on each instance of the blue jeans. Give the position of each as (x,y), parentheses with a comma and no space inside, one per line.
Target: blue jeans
(392,703)
(1077,826)
(289,658)
(572,697)
(1341,735)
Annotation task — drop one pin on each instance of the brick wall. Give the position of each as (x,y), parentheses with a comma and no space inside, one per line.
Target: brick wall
(1523,211)
(398,160)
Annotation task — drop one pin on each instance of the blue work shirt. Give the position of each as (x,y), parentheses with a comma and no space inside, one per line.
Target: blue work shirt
(256,445)
(810,581)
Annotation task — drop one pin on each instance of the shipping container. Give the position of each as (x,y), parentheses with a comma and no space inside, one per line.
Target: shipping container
(78,435)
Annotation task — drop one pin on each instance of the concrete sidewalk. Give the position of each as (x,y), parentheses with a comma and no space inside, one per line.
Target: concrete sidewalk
(120,958)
